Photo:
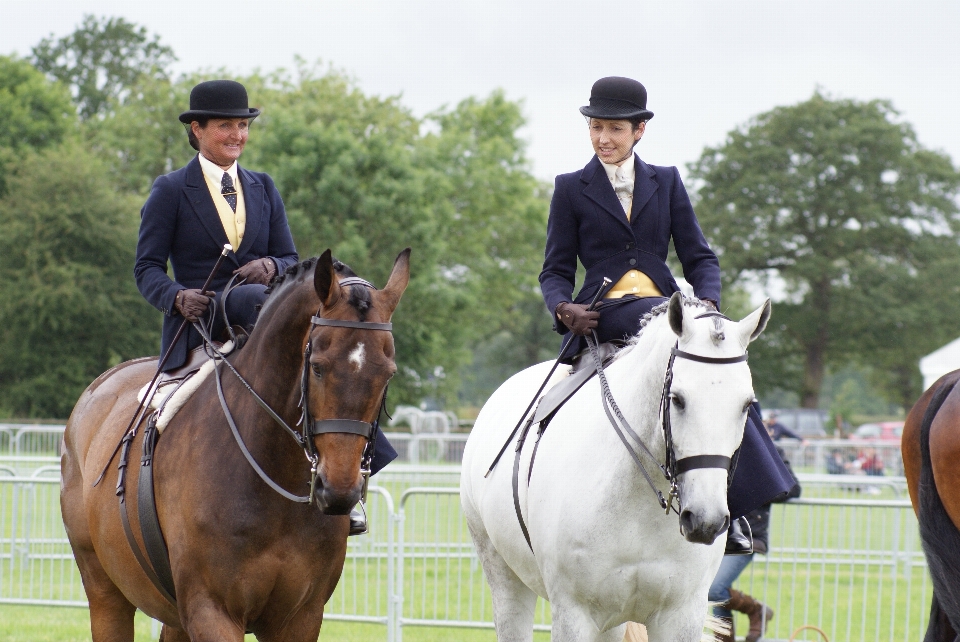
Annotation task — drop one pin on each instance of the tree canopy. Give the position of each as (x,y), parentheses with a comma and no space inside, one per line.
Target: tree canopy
(101,60)
(836,202)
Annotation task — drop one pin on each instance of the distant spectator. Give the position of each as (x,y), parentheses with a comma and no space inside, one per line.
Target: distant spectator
(871,463)
(732,566)
(778,431)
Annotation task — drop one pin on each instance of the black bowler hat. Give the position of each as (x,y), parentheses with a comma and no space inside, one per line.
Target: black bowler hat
(617,98)
(218,99)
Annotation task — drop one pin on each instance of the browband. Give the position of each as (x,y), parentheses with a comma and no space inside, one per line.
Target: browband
(361,325)
(701,359)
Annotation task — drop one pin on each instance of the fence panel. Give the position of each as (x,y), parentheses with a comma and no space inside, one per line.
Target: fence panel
(842,559)
(438,572)
(36,562)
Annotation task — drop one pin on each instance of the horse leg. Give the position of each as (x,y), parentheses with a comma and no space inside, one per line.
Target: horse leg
(677,626)
(111,614)
(513,601)
(172,634)
(573,624)
(205,621)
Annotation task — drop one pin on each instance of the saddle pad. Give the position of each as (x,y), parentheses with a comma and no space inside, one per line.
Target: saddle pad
(172,394)
(551,401)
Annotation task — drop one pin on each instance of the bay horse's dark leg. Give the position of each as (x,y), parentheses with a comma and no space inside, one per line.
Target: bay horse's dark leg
(170,634)
(302,627)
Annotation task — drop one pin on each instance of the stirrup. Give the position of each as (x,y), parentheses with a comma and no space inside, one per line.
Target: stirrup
(737,542)
(358,520)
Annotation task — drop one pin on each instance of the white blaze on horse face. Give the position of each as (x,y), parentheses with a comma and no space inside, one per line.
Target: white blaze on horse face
(358,356)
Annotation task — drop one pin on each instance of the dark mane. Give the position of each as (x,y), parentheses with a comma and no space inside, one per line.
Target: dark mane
(359,295)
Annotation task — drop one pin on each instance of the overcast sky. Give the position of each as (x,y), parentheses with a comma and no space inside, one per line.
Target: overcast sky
(707,66)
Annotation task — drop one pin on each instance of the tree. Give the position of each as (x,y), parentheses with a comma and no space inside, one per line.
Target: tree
(36,112)
(70,306)
(102,60)
(838,202)
(357,176)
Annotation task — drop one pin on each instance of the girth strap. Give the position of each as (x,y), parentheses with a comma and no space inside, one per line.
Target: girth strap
(153,540)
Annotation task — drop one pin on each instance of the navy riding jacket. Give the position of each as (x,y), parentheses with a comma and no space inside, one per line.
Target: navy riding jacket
(179,222)
(587,223)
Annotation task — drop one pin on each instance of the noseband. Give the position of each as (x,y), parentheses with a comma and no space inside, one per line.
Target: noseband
(310,427)
(672,468)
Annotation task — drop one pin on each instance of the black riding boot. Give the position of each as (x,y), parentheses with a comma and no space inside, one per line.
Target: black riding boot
(358,520)
(737,542)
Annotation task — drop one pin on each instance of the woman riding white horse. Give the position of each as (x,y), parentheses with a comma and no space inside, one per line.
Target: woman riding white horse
(618,216)
(601,548)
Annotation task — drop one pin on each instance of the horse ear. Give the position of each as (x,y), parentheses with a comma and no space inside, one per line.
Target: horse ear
(397,283)
(324,278)
(753,324)
(675,313)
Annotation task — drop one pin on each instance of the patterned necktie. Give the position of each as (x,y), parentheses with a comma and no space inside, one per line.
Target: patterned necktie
(229,191)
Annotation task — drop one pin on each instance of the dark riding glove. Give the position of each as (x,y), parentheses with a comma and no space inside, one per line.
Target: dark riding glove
(577,318)
(193,303)
(260,271)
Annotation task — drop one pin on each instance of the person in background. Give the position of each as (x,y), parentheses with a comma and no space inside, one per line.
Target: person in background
(778,431)
(732,566)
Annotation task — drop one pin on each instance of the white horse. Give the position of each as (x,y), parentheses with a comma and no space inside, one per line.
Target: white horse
(604,552)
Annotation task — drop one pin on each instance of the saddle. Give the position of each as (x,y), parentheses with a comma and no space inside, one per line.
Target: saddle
(175,387)
(584,368)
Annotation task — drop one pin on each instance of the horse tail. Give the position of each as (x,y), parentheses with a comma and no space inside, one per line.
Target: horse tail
(939,536)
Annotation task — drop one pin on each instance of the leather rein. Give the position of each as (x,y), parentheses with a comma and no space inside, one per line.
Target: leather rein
(672,468)
(310,427)
(158,568)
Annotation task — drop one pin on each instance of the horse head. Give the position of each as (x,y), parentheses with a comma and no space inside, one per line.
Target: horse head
(706,407)
(349,361)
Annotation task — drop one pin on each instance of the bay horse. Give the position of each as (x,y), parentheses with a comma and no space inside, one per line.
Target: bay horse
(930,446)
(601,549)
(242,558)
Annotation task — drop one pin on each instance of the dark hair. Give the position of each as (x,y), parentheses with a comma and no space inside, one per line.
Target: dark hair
(202,121)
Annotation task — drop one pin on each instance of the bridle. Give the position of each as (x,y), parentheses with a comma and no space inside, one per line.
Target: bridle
(310,427)
(672,468)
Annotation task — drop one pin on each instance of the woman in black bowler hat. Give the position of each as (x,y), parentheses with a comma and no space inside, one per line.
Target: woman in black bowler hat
(192,212)
(617,216)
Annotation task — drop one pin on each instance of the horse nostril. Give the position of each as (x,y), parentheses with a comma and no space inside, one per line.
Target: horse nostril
(686,522)
(726,524)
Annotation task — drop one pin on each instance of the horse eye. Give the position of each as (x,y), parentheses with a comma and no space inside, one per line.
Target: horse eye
(677,401)
(317,370)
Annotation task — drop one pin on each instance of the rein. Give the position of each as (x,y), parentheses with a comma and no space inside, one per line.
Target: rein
(672,468)
(310,426)
(158,567)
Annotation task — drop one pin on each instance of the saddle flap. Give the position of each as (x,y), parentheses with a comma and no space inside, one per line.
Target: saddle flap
(558,395)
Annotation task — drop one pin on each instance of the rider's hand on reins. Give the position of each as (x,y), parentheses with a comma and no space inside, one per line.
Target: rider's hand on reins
(260,271)
(577,318)
(193,303)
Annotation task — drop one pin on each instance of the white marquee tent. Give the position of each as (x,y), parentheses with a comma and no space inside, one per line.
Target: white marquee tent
(940,362)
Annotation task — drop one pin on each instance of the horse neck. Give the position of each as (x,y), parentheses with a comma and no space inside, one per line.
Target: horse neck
(272,359)
(642,375)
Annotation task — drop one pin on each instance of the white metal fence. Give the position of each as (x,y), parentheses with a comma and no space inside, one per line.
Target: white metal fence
(842,558)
